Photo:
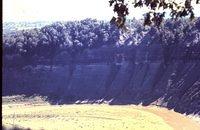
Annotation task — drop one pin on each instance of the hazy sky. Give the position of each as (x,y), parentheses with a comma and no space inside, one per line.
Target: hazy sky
(54,10)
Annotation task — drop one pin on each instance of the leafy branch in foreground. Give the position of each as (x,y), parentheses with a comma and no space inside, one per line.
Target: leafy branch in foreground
(157,10)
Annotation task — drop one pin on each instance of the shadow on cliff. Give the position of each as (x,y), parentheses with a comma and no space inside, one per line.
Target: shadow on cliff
(175,86)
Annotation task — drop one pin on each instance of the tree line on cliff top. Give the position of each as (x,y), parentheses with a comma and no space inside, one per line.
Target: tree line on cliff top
(39,46)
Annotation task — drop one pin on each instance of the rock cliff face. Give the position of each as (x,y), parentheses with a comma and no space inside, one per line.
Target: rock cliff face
(131,76)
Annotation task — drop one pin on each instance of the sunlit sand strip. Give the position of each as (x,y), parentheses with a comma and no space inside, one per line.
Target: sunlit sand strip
(95,117)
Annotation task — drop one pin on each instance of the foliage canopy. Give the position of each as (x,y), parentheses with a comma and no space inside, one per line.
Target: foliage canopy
(154,16)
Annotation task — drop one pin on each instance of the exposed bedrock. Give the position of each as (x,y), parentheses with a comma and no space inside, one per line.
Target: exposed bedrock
(142,78)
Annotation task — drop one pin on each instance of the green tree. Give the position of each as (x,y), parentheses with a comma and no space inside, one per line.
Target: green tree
(177,10)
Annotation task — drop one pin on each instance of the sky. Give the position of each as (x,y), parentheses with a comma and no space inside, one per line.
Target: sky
(62,10)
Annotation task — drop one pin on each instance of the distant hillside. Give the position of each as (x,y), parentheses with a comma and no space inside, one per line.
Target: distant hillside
(16,26)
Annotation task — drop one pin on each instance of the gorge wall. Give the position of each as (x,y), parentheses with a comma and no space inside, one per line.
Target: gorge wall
(124,76)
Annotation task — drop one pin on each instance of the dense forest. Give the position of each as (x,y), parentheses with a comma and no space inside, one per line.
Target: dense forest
(60,43)
(42,46)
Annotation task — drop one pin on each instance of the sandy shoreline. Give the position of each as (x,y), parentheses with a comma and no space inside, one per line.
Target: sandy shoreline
(174,119)
(37,114)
